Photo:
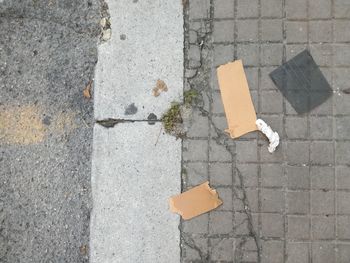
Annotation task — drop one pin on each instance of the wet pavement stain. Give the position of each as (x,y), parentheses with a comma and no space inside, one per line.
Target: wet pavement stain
(151,119)
(131,109)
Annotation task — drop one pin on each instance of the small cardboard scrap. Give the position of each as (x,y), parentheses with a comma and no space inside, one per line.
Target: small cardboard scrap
(87,90)
(195,202)
(160,87)
(238,105)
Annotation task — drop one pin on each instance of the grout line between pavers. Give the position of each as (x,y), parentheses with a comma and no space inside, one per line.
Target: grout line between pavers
(185,54)
(294,115)
(234,162)
(271,18)
(309,144)
(211,15)
(334,142)
(259,230)
(234,159)
(248,42)
(277,65)
(235,30)
(284,170)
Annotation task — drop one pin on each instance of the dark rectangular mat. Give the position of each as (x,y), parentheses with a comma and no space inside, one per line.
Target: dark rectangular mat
(302,83)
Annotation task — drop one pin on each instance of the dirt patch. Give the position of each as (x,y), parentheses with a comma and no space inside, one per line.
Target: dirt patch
(28,124)
(63,123)
(21,125)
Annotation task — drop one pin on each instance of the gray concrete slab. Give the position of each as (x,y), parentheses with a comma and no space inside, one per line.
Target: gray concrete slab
(146,45)
(135,170)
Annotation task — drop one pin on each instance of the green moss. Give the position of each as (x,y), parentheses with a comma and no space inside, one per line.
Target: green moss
(172,117)
(190,96)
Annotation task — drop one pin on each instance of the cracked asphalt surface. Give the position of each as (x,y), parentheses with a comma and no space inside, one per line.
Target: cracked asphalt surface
(48,51)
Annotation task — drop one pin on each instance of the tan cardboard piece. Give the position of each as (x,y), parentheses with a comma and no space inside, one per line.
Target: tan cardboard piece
(238,105)
(195,201)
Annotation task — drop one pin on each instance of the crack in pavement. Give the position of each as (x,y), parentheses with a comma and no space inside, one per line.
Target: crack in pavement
(223,139)
(111,122)
(199,81)
(187,240)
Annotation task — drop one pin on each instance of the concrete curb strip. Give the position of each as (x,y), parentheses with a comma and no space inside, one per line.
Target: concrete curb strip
(131,184)
(151,48)
(136,167)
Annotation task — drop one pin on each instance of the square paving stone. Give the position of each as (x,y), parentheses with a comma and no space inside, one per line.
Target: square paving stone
(195,173)
(320,8)
(272,200)
(272,252)
(323,227)
(297,252)
(343,201)
(272,225)
(271,8)
(298,227)
(298,202)
(223,9)
(272,175)
(343,177)
(271,30)
(296,8)
(249,174)
(192,255)
(343,253)
(323,252)
(342,8)
(298,177)
(222,249)
(247,9)
(220,222)
(322,202)
(322,177)
(343,227)
(220,173)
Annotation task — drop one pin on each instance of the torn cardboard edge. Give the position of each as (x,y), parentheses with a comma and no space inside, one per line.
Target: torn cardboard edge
(196,201)
(238,104)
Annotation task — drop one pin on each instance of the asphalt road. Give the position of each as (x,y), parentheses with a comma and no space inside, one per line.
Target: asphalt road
(48,51)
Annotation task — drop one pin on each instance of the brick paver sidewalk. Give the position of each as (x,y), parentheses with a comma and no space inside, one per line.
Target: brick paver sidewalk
(292,205)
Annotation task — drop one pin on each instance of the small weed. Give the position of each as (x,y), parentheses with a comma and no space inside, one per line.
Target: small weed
(190,96)
(172,117)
